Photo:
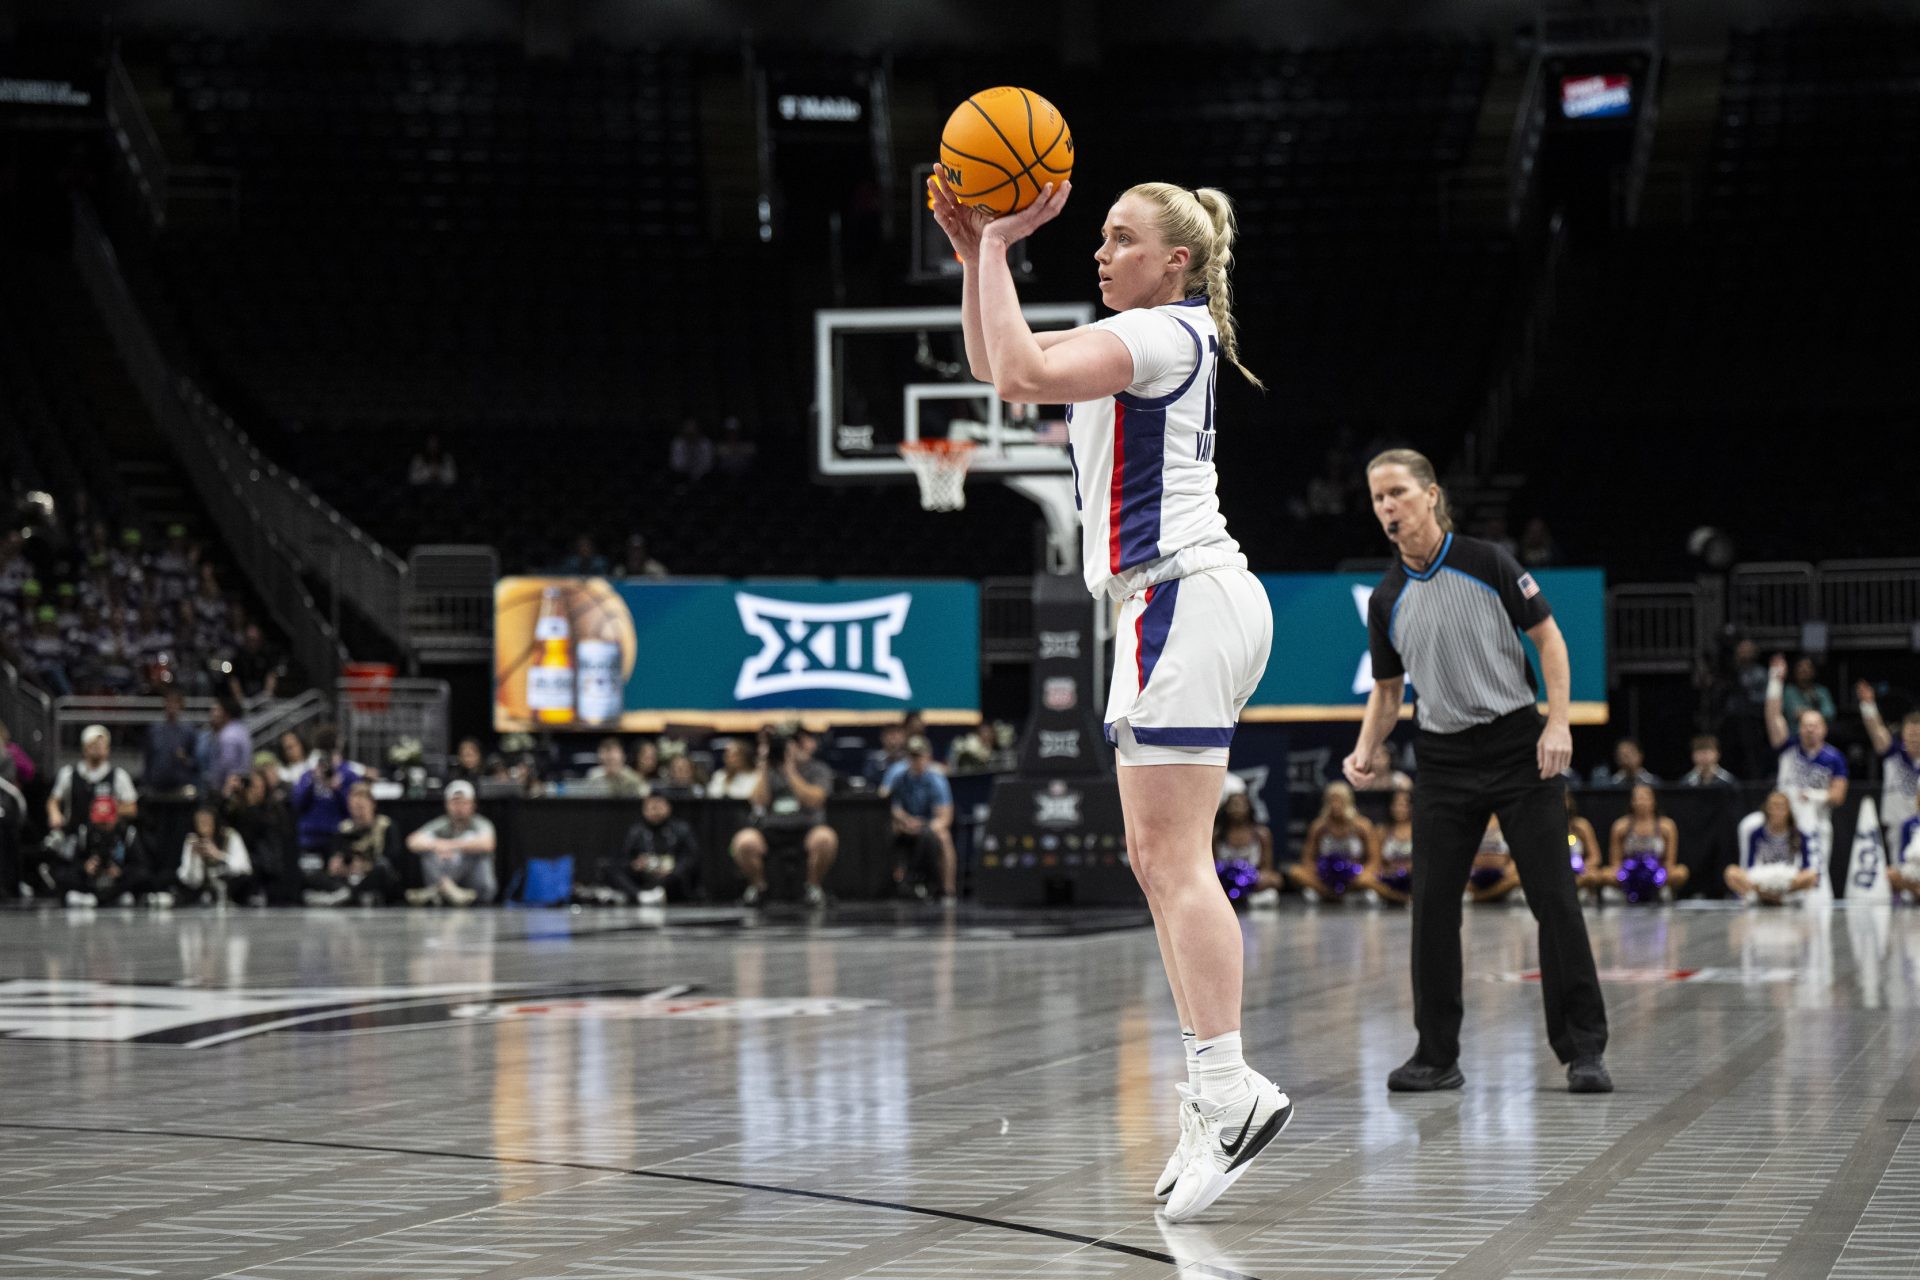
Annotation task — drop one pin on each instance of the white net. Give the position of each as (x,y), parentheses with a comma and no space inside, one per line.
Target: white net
(941,466)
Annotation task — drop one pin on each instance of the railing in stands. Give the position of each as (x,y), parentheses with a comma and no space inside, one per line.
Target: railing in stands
(229,488)
(28,713)
(128,718)
(1655,629)
(1863,604)
(377,714)
(358,569)
(159,181)
(1770,602)
(450,608)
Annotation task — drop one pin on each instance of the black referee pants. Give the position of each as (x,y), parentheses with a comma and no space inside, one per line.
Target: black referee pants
(1465,777)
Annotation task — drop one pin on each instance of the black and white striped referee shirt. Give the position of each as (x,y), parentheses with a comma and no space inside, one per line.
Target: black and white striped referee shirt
(1454,630)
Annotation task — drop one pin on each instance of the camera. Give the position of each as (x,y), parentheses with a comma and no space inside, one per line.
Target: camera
(777,740)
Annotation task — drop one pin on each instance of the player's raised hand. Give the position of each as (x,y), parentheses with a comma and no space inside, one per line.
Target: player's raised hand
(963,223)
(1012,227)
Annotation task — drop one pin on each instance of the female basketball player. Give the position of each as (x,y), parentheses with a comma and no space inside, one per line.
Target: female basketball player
(1194,626)
(1341,851)
(1643,835)
(1396,848)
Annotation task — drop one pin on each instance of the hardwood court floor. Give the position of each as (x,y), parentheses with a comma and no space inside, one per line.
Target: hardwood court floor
(878,1094)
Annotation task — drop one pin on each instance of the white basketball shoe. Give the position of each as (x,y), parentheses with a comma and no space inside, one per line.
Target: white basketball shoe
(1231,1135)
(1189,1139)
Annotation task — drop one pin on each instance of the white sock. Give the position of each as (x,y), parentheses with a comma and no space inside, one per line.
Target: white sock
(1187,1041)
(1220,1069)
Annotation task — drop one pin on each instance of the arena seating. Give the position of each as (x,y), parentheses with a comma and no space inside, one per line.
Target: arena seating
(517,257)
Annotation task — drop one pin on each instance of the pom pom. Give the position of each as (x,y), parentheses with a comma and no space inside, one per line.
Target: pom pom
(1238,877)
(1641,878)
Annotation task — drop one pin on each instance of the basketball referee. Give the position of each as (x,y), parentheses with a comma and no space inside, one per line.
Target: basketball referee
(1448,614)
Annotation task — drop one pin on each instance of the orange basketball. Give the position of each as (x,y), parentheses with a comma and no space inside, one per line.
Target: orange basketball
(1002,145)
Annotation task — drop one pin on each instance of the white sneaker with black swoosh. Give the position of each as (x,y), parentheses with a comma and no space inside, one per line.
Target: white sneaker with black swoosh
(1231,1135)
(1189,1136)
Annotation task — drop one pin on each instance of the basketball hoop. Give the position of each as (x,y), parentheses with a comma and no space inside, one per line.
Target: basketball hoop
(941,466)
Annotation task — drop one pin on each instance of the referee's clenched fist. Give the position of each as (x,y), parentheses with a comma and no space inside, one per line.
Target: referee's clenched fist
(1449,614)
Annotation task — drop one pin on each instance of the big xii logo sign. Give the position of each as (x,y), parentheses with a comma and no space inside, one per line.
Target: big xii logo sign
(806,646)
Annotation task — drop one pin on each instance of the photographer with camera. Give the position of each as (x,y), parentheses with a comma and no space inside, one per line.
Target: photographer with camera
(789,809)
(214,864)
(320,799)
(94,853)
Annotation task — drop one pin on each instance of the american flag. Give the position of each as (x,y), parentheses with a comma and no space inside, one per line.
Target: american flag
(1528,587)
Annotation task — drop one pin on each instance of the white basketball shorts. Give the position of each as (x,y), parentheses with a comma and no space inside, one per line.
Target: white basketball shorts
(1187,655)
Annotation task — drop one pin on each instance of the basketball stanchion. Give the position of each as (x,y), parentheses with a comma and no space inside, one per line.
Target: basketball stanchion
(941,467)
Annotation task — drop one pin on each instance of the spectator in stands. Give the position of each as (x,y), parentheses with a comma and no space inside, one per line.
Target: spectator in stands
(637,563)
(1706,771)
(16,766)
(682,779)
(210,608)
(191,651)
(613,773)
(1494,529)
(295,760)
(432,467)
(228,746)
(366,851)
(153,644)
(1741,701)
(1812,774)
(1643,835)
(789,807)
(95,788)
(646,761)
(172,760)
(1538,550)
(690,456)
(737,777)
(660,861)
(891,751)
(13,823)
(1774,859)
(214,863)
(46,653)
(126,562)
(1327,492)
(15,569)
(66,603)
(1807,691)
(257,670)
(469,762)
(171,572)
(320,799)
(259,808)
(1238,838)
(584,560)
(1629,766)
(1899,764)
(920,804)
(733,454)
(456,855)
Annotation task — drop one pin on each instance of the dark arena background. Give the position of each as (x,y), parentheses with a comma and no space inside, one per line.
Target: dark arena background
(451,457)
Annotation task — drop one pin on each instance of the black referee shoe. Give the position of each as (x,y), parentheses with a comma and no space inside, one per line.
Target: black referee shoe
(1414,1076)
(1589,1075)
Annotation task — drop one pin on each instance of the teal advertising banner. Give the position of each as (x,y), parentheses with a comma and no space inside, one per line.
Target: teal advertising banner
(1320,669)
(587,653)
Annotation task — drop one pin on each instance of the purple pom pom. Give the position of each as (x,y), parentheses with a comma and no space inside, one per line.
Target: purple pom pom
(1337,872)
(1486,877)
(1641,878)
(1400,881)
(1238,877)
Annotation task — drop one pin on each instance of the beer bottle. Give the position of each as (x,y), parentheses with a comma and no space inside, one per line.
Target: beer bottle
(550,681)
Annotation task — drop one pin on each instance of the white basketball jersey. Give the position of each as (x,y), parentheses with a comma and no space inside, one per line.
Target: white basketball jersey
(1143,467)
